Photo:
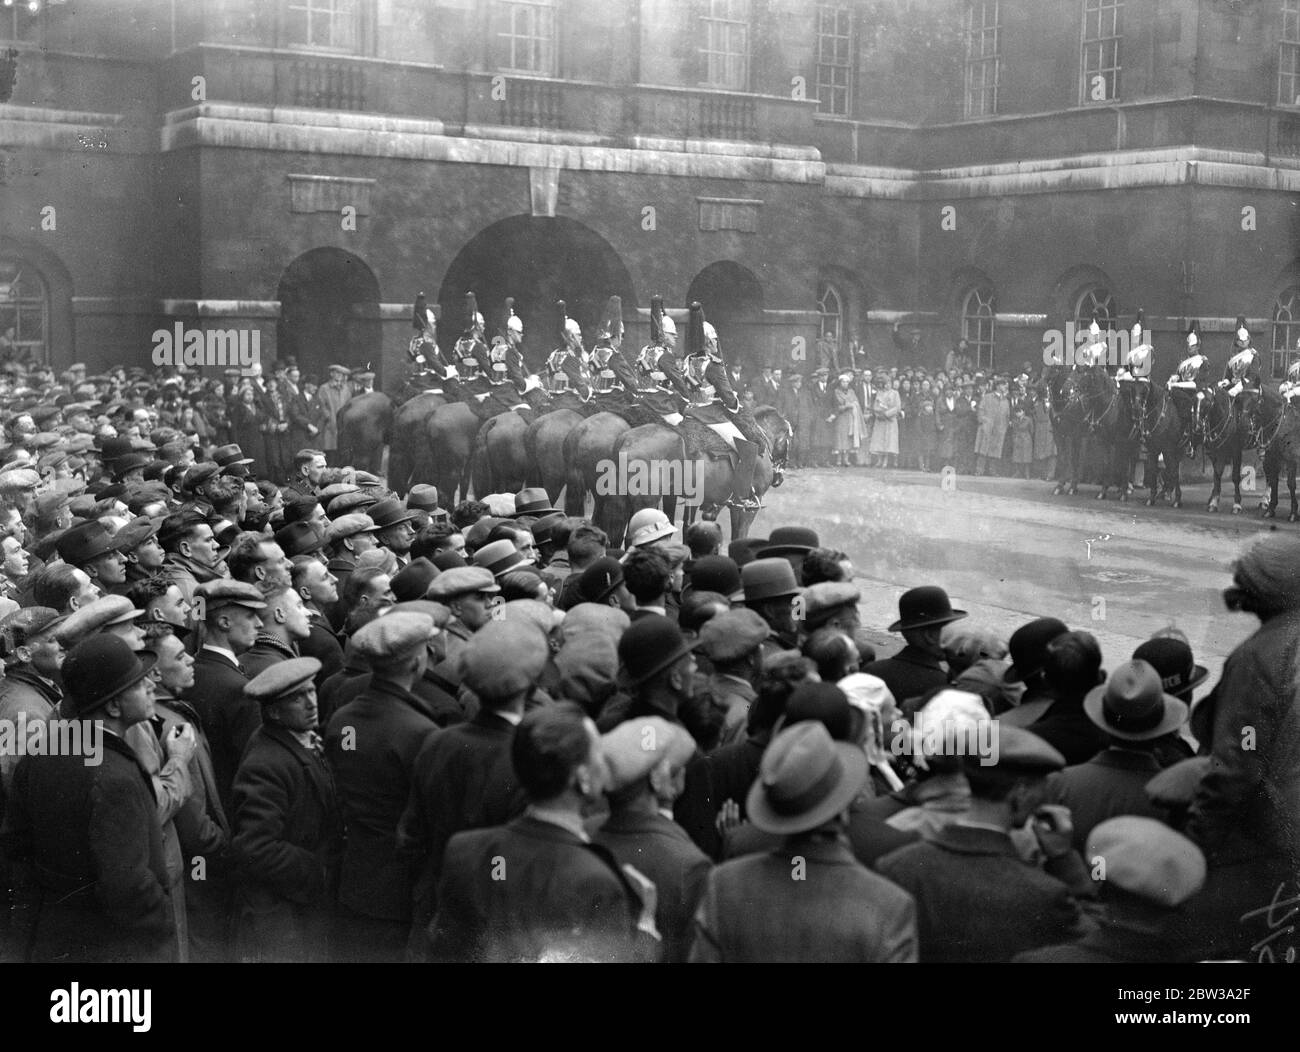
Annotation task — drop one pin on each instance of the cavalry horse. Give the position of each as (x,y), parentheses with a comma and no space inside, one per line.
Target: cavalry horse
(1279,437)
(648,449)
(1111,420)
(1162,435)
(1066,412)
(1224,438)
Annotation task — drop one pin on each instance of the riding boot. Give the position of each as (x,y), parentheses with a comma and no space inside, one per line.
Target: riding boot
(742,486)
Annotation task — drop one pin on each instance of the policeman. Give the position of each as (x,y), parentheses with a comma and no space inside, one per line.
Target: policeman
(1187,384)
(612,371)
(706,373)
(1242,375)
(566,366)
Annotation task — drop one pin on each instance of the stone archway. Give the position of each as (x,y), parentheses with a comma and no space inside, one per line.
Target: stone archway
(329,312)
(733,301)
(537,260)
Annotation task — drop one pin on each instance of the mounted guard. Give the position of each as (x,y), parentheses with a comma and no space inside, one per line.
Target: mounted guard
(612,371)
(1187,385)
(1242,378)
(505,355)
(1134,374)
(470,361)
(1093,353)
(714,402)
(424,344)
(1289,389)
(566,366)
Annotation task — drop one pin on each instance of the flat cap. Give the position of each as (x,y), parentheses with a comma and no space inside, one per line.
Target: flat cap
(393,636)
(95,616)
(823,599)
(523,646)
(732,635)
(346,503)
(422,496)
(636,747)
(300,538)
(349,526)
(225,592)
(282,680)
(49,503)
(440,614)
(136,532)
(1017,751)
(1148,859)
(22,626)
(21,478)
(461,580)
(413,579)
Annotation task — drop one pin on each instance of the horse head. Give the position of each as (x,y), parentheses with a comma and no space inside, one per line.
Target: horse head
(779,432)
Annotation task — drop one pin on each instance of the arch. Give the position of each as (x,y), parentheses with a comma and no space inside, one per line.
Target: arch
(733,301)
(329,312)
(1083,289)
(1285,331)
(978,323)
(537,260)
(833,311)
(30,272)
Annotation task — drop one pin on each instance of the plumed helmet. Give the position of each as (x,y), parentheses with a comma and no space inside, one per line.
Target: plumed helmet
(473,319)
(1136,331)
(695,331)
(423,319)
(1243,333)
(611,325)
(568,327)
(508,321)
(1193,334)
(656,319)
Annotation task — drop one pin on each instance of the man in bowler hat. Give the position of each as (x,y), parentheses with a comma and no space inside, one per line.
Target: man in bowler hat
(918,667)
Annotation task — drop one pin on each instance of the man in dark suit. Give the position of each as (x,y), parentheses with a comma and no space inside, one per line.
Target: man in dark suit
(1151,872)
(463,777)
(319,590)
(288,830)
(977,899)
(646,758)
(231,620)
(810,900)
(918,667)
(537,888)
(85,838)
(1072,668)
(1134,714)
(372,743)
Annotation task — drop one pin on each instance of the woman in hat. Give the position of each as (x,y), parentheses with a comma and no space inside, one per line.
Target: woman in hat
(246,422)
(847,416)
(887,409)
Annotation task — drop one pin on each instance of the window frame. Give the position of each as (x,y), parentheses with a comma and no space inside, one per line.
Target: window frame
(1115,39)
(23,269)
(829,290)
(973,324)
(984,60)
(544,64)
(710,21)
(1288,302)
(835,11)
(1289,47)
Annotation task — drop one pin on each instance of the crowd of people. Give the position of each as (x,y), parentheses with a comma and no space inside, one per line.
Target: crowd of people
(261,709)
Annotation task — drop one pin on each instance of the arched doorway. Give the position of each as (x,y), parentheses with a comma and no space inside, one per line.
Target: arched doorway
(537,260)
(733,302)
(329,312)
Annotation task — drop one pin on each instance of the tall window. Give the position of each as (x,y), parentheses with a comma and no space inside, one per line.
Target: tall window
(830,305)
(1101,37)
(332,25)
(24,313)
(1095,302)
(726,44)
(1288,55)
(528,36)
(978,324)
(835,58)
(983,62)
(1286,331)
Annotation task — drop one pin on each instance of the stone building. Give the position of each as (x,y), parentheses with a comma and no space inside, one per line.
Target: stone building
(892,173)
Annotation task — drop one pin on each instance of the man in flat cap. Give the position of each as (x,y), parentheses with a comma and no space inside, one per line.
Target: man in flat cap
(112,614)
(92,549)
(556,896)
(372,743)
(646,759)
(347,537)
(468,591)
(288,829)
(733,643)
(831,604)
(319,590)
(977,899)
(835,909)
(464,778)
(30,690)
(231,614)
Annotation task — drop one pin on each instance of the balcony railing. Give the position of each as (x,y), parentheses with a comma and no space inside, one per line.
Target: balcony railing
(328,85)
(726,117)
(534,104)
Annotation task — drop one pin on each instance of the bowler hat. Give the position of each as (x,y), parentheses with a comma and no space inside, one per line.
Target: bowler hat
(1132,705)
(1172,659)
(922,607)
(768,579)
(532,502)
(600,580)
(100,668)
(1028,647)
(804,780)
(649,646)
(717,573)
(230,456)
(743,550)
(413,580)
(790,540)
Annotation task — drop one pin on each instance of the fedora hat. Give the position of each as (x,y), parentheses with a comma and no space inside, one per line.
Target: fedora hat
(924,606)
(532,502)
(789,540)
(1132,705)
(499,557)
(100,668)
(1028,647)
(768,579)
(230,455)
(1173,660)
(805,779)
(389,512)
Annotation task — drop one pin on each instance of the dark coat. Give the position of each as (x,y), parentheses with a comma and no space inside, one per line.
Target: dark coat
(263,654)
(977,901)
(712,780)
(557,897)
(836,911)
(1067,729)
(1130,931)
(659,848)
(869,835)
(229,718)
(88,840)
(373,778)
(463,778)
(288,837)
(324,646)
(908,673)
(1112,783)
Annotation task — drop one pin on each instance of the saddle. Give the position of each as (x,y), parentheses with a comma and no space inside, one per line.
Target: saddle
(702,441)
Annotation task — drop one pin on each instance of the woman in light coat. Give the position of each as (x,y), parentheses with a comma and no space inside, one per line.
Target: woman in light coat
(847,415)
(887,410)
